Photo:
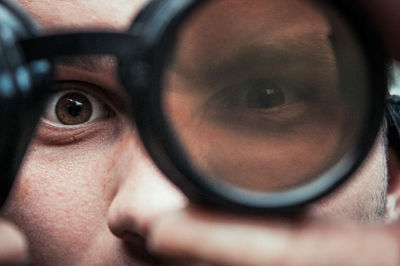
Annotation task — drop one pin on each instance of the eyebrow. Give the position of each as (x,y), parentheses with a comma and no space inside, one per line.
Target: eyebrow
(308,50)
(96,63)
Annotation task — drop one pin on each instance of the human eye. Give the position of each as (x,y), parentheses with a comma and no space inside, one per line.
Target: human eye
(71,106)
(74,112)
(263,104)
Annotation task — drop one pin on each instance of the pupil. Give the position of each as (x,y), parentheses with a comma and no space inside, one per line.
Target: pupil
(74,109)
(265,98)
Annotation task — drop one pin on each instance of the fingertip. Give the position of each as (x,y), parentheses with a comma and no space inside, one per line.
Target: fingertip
(160,232)
(13,245)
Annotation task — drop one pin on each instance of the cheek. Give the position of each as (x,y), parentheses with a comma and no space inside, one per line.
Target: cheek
(362,198)
(63,193)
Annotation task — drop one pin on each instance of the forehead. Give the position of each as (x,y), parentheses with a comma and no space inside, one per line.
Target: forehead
(55,14)
(75,14)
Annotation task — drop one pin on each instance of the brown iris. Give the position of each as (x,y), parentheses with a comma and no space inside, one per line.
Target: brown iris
(73,108)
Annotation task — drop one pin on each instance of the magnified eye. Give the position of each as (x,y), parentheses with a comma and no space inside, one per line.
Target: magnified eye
(262,106)
(261,95)
(73,107)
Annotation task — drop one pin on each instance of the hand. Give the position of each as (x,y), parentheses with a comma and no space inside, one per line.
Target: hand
(224,239)
(13,246)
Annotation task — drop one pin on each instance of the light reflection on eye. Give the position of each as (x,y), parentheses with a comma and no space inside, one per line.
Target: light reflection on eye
(74,107)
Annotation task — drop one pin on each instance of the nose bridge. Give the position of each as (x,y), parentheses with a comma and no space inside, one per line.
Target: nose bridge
(143,192)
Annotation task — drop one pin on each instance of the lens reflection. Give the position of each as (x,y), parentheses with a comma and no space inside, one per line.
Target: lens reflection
(258,96)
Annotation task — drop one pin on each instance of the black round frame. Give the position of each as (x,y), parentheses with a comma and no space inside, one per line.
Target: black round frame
(22,96)
(163,147)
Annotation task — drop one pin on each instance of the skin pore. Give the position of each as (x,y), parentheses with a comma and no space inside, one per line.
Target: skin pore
(87,194)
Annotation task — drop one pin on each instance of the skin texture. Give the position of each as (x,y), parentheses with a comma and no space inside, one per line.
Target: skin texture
(90,195)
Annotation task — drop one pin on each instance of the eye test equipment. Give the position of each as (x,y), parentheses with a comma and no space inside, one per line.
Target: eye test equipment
(251,105)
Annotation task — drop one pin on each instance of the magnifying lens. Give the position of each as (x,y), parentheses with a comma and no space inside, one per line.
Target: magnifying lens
(251,105)
(268,104)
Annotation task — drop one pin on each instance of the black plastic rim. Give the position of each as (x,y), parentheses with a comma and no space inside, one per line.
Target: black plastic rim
(164,148)
(20,111)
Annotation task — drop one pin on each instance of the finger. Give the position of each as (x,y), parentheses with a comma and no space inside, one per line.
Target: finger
(218,239)
(13,246)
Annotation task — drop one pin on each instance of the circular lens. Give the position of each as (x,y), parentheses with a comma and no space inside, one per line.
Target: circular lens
(267,96)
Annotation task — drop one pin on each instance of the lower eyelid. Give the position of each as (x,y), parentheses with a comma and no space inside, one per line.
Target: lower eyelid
(61,126)
(50,134)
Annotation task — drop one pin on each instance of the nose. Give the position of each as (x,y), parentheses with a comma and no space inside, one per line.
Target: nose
(143,193)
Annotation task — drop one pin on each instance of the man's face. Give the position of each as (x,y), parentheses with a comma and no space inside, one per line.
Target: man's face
(87,191)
